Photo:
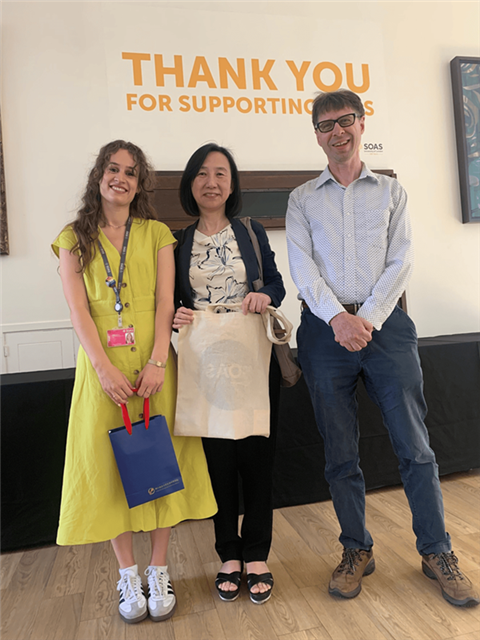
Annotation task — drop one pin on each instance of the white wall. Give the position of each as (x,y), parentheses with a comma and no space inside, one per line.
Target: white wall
(56,113)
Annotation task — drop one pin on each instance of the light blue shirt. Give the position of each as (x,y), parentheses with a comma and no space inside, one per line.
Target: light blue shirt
(350,244)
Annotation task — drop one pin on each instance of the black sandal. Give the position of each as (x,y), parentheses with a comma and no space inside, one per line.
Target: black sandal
(255,578)
(235,578)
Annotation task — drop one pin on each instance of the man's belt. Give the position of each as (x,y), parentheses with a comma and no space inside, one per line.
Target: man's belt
(349,308)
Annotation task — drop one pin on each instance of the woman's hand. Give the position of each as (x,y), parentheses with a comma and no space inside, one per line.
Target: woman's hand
(115,383)
(255,303)
(150,380)
(183,316)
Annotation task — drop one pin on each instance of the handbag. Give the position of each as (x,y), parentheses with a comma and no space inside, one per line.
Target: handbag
(145,458)
(289,369)
(223,371)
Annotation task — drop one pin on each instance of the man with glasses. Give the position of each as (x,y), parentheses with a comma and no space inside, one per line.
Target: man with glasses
(350,254)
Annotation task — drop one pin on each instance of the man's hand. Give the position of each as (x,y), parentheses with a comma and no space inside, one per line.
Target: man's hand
(351,332)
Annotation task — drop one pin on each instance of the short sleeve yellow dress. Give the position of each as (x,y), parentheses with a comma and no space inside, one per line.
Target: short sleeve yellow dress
(93,506)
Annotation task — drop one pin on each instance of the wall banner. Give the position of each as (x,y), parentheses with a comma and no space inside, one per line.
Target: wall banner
(240,79)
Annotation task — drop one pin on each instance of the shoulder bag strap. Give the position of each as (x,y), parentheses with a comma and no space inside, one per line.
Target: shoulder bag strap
(247,223)
(288,367)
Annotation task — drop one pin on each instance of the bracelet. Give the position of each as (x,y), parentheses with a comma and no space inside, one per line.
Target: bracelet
(157,363)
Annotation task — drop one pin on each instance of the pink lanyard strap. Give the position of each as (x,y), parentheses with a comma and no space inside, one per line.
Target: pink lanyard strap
(146,414)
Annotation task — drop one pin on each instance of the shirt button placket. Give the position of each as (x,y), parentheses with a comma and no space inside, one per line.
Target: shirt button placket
(349,245)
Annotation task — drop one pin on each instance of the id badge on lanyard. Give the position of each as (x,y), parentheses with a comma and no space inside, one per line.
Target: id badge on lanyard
(118,337)
(121,337)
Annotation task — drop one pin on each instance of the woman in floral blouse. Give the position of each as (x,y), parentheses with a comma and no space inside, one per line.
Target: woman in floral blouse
(215,262)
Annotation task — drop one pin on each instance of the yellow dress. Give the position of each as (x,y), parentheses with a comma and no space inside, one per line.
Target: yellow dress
(94,507)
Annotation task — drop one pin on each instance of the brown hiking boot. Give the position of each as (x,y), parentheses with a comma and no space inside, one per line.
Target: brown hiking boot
(346,580)
(456,587)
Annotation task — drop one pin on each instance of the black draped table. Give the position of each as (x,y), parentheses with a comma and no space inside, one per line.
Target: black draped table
(35,406)
(451,369)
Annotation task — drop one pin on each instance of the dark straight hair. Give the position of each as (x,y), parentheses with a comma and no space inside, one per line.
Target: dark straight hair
(233,205)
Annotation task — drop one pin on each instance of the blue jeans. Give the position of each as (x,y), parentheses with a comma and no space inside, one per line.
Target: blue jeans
(390,369)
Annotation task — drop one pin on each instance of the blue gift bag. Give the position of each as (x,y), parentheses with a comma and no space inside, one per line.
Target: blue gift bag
(145,458)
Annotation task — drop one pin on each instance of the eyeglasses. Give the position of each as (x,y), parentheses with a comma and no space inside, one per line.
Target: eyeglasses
(344,121)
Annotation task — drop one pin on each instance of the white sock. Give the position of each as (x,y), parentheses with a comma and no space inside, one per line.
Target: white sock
(162,569)
(133,568)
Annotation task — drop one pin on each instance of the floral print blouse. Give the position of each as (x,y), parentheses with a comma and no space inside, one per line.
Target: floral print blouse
(217,271)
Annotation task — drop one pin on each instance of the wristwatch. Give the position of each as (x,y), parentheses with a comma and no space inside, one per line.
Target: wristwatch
(157,363)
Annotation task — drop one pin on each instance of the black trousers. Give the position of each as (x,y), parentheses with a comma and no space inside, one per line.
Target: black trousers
(245,466)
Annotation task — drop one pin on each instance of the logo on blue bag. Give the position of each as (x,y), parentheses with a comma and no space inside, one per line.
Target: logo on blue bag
(151,491)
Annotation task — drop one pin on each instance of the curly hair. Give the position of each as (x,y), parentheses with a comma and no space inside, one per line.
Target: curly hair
(90,214)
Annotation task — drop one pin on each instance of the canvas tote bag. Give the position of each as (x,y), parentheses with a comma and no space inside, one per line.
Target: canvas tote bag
(223,369)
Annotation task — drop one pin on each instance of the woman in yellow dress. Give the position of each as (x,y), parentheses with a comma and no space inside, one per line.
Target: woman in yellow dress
(116,216)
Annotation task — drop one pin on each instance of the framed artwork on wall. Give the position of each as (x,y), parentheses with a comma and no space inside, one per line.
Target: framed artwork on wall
(466,108)
(4,250)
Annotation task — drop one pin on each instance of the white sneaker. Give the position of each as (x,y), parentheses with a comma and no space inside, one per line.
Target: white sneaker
(161,596)
(133,604)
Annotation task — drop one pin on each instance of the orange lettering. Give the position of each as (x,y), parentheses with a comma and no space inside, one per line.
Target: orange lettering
(299,73)
(262,74)
(248,108)
(201,73)
(365,78)
(147,102)
(195,104)
(214,102)
(136,59)
(176,70)
(164,102)
(228,103)
(131,100)
(238,77)
(318,81)
(273,102)
(183,100)
(294,105)
(369,110)
(259,105)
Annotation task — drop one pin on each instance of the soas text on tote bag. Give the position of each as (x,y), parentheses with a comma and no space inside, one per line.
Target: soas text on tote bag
(223,367)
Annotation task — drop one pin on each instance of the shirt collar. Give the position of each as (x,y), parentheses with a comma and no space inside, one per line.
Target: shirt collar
(326,175)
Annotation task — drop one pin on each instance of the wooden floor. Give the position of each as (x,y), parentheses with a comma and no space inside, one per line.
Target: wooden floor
(69,593)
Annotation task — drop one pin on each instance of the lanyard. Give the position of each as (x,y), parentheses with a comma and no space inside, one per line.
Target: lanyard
(110,281)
